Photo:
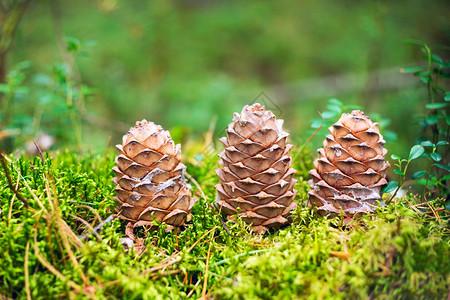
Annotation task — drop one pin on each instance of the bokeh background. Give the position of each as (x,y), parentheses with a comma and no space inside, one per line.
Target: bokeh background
(188,65)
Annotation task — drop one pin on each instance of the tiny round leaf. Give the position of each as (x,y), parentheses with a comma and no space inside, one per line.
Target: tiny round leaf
(392,185)
(416,152)
(436,105)
(427,144)
(419,174)
(443,167)
(436,156)
(398,172)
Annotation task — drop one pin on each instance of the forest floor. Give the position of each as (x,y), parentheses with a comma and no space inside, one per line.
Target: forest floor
(50,250)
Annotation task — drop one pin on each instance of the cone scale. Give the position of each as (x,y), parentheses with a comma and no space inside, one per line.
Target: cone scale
(150,182)
(350,170)
(256,178)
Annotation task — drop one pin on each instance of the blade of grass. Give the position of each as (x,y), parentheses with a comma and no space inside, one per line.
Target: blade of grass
(8,179)
(12,202)
(27,275)
(205,282)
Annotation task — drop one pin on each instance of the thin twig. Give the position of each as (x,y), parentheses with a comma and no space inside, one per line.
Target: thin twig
(12,201)
(175,260)
(97,228)
(86,223)
(27,275)
(193,289)
(40,152)
(96,214)
(8,178)
(163,266)
(205,282)
(314,133)
(309,139)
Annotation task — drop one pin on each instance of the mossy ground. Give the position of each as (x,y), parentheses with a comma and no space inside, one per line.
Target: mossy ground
(392,254)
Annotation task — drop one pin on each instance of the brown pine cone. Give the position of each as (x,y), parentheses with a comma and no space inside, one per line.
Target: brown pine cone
(350,170)
(256,179)
(150,177)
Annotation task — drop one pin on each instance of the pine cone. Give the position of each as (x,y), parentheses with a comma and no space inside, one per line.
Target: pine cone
(256,179)
(150,177)
(350,170)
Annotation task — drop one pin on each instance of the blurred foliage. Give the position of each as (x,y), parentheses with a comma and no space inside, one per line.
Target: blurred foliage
(183,63)
(84,71)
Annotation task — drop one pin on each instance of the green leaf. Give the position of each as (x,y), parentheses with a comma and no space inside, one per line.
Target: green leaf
(436,59)
(445,178)
(389,135)
(398,172)
(316,123)
(353,107)
(423,74)
(443,167)
(425,79)
(414,42)
(432,119)
(4,88)
(334,108)
(427,144)
(91,43)
(329,114)
(73,44)
(418,174)
(425,155)
(411,69)
(335,102)
(416,152)
(392,185)
(440,143)
(395,157)
(22,90)
(436,105)
(447,96)
(23,65)
(436,156)
(423,181)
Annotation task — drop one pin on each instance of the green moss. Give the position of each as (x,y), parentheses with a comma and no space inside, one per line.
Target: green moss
(394,253)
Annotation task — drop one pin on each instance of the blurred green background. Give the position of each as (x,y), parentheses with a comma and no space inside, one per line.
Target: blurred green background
(189,64)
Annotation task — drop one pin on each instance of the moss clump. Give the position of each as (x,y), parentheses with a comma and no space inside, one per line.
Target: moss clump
(394,253)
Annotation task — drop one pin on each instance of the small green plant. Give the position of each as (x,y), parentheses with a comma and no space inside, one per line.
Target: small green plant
(432,144)
(52,250)
(433,73)
(431,180)
(402,167)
